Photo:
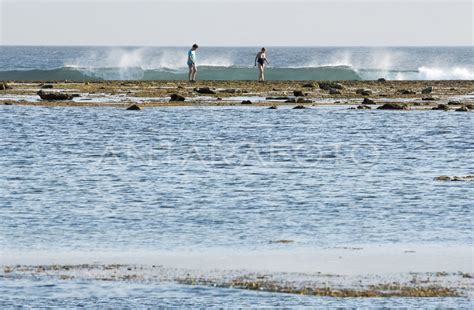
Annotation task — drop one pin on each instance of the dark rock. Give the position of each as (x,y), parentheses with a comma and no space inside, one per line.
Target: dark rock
(291,100)
(363,107)
(219,99)
(470,106)
(176,97)
(298,107)
(54,96)
(329,85)
(429,98)
(381,80)
(298,93)
(453,102)
(364,92)
(75,95)
(134,107)
(8,103)
(272,107)
(393,106)
(427,90)
(455,178)
(333,91)
(463,109)
(204,90)
(442,107)
(368,101)
(46,86)
(308,85)
(407,92)
(4,86)
(246,102)
(302,100)
(278,98)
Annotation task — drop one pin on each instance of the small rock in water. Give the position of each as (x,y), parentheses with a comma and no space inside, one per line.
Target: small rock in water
(455,178)
(463,109)
(427,90)
(204,90)
(134,107)
(381,80)
(176,97)
(54,96)
(298,93)
(429,98)
(273,107)
(246,102)
(393,106)
(363,107)
(442,107)
(282,241)
(368,101)
(302,100)
(299,107)
(454,102)
(278,98)
(333,91)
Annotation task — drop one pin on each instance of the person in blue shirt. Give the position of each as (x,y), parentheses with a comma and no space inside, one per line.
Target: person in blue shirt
(192,63)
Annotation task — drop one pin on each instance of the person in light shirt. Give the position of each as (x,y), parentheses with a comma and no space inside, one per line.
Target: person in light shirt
(192,63)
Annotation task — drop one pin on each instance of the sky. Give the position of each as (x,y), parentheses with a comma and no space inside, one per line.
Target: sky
(237,23)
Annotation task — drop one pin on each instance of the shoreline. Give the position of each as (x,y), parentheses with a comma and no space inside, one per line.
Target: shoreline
(375,271)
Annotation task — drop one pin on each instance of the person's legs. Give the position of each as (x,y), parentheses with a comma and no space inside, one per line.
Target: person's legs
(261,76)
(190,72)
(194,73)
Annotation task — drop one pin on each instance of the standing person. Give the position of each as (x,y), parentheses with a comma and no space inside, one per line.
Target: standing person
(192,63)
(261,58)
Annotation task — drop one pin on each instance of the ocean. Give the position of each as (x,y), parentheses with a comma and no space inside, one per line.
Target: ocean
(230,191)
(236,63)
(77,182)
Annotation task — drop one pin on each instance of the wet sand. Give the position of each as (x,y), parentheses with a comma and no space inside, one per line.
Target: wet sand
(121,94)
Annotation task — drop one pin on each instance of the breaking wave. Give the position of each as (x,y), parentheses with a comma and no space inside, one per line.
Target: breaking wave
(216,72)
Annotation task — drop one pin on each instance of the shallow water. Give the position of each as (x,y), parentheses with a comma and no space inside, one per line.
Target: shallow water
(192,178)
(57,293)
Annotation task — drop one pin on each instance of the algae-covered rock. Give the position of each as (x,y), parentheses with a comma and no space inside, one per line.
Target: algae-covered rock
(134,107)
(393,106)
(176,97)
(54,96)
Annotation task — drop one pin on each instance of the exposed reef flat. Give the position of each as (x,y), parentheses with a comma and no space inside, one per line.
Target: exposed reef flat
(455,95)
(386,271)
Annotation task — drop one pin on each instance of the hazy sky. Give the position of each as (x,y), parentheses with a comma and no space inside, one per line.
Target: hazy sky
(237,23)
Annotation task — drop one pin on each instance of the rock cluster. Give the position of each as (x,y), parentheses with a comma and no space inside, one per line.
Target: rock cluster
(54,96)
(204,90)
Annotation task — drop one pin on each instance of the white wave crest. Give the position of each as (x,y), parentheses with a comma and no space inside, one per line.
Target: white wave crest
(456,73)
